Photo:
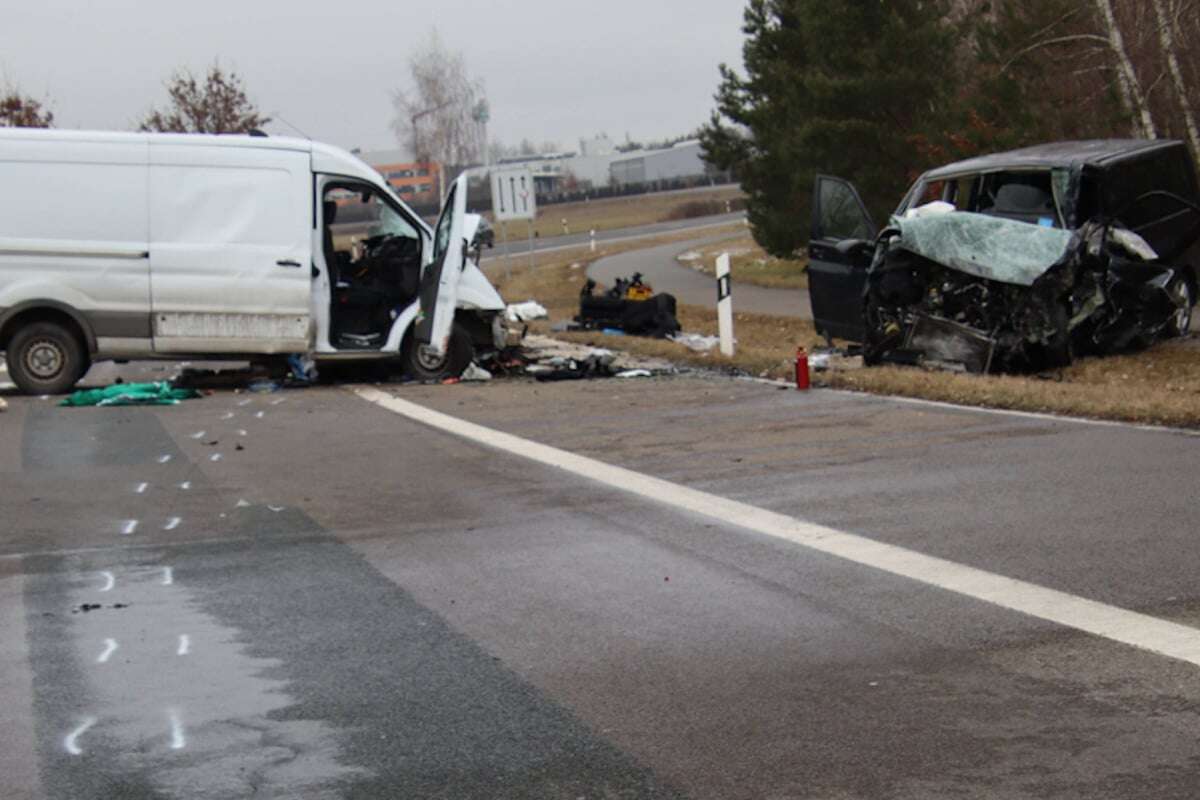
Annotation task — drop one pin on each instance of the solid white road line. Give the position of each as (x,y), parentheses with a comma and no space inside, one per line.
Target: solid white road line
(110,647)
(1120,625)
(71,742)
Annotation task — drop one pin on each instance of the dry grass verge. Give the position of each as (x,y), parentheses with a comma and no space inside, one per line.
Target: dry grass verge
(749,263)
(1159,386)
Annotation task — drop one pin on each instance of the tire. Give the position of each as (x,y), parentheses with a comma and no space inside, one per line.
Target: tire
(46,358)
(1184,298)
(418,363)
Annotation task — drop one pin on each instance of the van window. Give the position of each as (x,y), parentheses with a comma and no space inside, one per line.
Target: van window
(223,205)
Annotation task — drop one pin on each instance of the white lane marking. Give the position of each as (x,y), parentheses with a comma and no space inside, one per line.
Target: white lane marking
(129,526)
(241,431)
(168,576)
(164,458)
(215,457)
(227,415)
(172,523)
(1100,619)
(185,645)
(245,402)
(185,485)
(141,488)
(199,434)
(110,647)
(177,740)
(241,503)
(110,581)
(71,742)
(260,414)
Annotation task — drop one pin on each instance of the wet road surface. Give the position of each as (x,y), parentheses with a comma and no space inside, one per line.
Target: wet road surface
(302,594)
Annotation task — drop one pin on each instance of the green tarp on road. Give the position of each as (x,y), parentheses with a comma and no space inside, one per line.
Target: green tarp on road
(131,394)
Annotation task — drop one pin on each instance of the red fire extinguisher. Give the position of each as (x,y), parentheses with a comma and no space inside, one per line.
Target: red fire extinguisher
(802,382)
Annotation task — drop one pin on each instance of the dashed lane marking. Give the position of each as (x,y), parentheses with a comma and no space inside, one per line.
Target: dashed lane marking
(71,743)
(1100,619)
(110,647)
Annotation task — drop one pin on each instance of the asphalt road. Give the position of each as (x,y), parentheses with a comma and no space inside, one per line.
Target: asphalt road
(660,268)
(305,594)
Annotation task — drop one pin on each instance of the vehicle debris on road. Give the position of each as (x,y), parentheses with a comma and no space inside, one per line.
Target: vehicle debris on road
(525,312)
(630,306)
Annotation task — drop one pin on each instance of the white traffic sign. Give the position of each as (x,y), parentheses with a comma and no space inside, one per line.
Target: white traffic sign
(513,196)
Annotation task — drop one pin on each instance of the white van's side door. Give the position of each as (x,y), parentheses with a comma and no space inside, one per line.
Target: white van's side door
(439,279)
(230,249)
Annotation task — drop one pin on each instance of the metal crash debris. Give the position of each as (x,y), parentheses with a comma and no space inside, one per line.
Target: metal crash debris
(1016,261)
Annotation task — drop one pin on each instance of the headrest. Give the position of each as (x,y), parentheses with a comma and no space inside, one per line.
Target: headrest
(1019,197)
(330,211)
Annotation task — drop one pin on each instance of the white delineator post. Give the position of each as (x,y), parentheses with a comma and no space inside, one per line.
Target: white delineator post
(592,236)
(724,305)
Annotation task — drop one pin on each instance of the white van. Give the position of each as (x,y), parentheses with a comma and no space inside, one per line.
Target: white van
(135,245)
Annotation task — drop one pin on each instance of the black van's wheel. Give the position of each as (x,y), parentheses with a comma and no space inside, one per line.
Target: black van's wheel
(46,358)
(422,363)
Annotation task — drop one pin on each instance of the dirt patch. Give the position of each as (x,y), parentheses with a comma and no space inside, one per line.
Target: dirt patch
(749,263)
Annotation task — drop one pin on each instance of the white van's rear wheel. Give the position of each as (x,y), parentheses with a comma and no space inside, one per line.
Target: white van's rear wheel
(46,358)
(422,363)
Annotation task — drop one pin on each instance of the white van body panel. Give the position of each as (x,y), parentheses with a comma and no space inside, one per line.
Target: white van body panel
(475,291)
(230,248)
(73,226)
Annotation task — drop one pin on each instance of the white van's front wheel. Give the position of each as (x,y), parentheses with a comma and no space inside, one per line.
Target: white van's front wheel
(46,358)
(422,363)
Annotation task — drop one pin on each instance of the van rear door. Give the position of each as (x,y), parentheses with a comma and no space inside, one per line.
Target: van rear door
(439,281)
(230,248)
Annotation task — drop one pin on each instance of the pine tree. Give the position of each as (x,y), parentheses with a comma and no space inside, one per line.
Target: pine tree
(830,87)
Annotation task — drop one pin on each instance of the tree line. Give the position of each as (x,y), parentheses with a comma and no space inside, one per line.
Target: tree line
(878,92)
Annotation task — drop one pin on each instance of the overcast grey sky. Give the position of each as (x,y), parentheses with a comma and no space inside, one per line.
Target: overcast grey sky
(554,70)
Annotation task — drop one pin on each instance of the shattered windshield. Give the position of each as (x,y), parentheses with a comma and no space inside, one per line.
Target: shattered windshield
(988,247)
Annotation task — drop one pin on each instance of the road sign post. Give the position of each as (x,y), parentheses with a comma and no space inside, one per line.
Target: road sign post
(514,197)
(724,305)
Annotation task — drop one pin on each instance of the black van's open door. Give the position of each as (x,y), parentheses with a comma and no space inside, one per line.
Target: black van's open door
(839,252)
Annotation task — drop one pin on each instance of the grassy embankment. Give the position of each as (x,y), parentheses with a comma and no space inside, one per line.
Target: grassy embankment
(749,263)
(623,212)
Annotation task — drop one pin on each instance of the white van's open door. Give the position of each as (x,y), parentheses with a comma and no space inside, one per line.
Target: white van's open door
(439,281)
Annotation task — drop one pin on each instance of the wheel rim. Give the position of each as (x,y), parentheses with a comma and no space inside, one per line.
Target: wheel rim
(44,359)
(428,359)
(1183,307)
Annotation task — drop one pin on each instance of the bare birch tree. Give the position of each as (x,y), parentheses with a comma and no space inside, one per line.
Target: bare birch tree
(1167,41)
(1128,84)
(438,118)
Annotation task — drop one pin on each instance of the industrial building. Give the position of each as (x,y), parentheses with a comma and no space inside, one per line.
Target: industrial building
(415,181)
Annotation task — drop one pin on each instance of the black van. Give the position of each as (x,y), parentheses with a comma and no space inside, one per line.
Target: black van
(1013,260)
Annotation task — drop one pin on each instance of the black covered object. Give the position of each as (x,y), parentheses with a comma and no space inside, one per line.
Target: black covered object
(654,316)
